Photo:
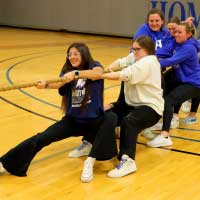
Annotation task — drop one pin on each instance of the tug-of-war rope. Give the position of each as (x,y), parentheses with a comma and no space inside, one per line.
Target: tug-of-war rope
(26,85)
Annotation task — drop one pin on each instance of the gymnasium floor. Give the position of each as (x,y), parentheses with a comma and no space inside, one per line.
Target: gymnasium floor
(28,55)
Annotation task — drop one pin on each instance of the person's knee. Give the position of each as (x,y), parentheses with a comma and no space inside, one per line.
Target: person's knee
(111,117)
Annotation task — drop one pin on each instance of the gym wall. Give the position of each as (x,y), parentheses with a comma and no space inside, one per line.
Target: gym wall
(109,17)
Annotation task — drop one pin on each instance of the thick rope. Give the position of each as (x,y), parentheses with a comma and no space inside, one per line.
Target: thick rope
(26,85)
(31,84)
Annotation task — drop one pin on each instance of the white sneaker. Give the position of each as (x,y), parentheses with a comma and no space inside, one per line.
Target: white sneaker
(186,106)
(148,134)
(83,150)
(157,126)
(160,141)
(126,166)
(174,122)
(87,173)
(2,169)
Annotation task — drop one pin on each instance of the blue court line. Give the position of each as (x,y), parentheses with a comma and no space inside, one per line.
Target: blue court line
(21,90)
(171,149)
(27,110)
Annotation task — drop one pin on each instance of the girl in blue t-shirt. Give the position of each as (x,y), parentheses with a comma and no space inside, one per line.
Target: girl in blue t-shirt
(83,104)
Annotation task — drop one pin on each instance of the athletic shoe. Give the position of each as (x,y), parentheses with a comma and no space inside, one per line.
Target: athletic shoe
(2,169)
(186,106)
(148,134)
(189,120)
(175,122)
(157,126)
(87,173)
(126,166)
(160,141)
(83,150)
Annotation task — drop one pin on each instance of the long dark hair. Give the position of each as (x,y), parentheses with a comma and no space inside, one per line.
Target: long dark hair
(87,60)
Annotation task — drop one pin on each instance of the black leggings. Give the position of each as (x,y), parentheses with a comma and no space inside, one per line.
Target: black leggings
(169,84)
(180,93)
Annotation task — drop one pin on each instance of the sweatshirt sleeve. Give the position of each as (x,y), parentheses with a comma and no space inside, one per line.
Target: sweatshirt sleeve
(142,30)
(135,73)
(126,61)
(165,51)
(183,54)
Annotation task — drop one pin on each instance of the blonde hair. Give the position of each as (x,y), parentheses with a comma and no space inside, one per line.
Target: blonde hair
(189,27)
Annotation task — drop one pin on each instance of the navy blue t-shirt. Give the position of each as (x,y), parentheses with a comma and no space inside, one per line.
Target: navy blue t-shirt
(75,92)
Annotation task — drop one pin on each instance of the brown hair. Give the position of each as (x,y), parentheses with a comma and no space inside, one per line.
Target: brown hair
(146,43)
(87,60)
(174,19)
(155,11)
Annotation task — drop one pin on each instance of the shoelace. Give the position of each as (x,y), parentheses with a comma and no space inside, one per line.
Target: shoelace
(87,169)
(82,146)
(121,163)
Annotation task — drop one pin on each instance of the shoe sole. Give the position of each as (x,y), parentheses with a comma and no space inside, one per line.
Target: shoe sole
(86,180)
(156,146)
(134,170)
(182,123)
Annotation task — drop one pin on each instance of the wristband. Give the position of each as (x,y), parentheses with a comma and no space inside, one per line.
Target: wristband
(46,85)
(76,74)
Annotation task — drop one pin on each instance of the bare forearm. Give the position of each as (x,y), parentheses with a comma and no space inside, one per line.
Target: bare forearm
(91,74)
(111,76)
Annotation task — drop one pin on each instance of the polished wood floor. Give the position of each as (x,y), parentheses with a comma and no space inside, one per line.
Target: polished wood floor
(28,55)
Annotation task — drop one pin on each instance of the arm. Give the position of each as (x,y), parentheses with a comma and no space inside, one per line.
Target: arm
(165,51)
(93,74)
(121,63)
(111,76)
(142,30)
(180,56)
(134,73)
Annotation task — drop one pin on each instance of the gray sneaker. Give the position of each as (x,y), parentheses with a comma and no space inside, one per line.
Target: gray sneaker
(82,150)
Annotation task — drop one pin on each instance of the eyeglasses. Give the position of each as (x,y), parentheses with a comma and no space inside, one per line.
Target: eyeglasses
(73,54)
(136,49)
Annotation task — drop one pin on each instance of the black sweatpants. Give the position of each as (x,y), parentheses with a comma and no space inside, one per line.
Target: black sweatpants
(134,120)
(17,160)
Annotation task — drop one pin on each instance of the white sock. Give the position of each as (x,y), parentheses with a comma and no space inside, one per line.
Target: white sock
(2,169)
